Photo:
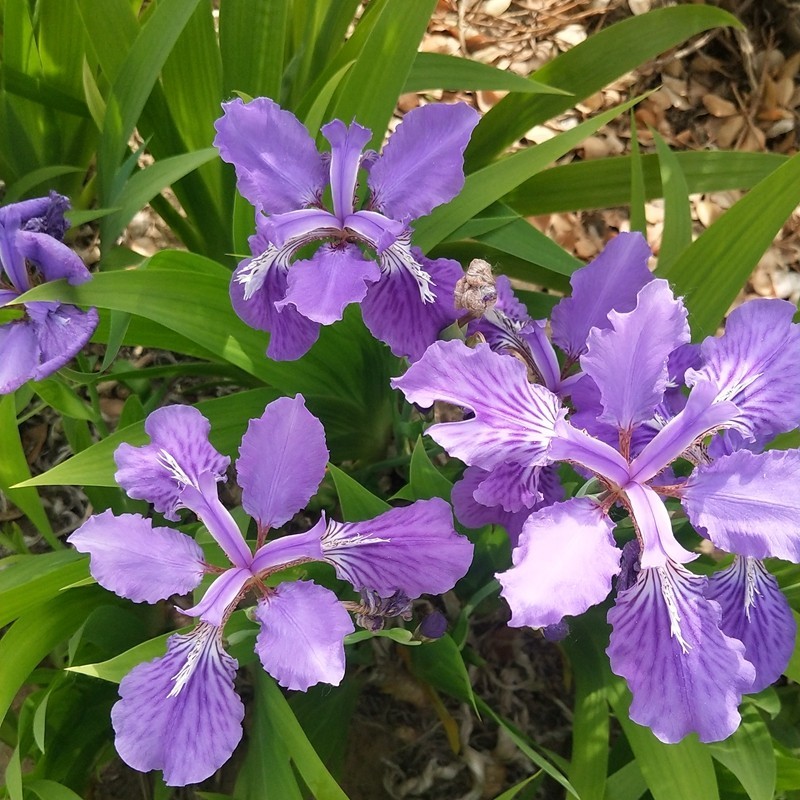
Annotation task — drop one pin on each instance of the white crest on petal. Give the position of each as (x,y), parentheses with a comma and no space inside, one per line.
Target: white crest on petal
(750,585)
(398,256)
(668,593)
(167,460)
(252,276)
(331,539)
(205,637)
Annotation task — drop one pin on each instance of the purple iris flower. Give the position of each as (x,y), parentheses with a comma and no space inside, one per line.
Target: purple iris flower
(506,494)
(405,298)
(180,713)
(688,646)
(47,334)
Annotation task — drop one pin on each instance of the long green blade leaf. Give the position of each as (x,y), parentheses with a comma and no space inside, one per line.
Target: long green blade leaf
(440,71)
(394,40)
(36,633)
(586,69)
(489,184)
(677,235)
(710,273)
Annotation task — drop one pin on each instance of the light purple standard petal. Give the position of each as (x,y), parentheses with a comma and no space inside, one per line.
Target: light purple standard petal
(180,713)
(413,549)
(301,641)
(395,310)
(686,676)
(511,486)
(755,611)
(321,287)
(131,558)
(480,483)
(748,503)
(257,284)
(422,164)
(278,168)
(472,514)
(756,365)
(281,461)
(628,360)
(178,454)
(563,564)
(19,350)
(514,420)
(347,144)
(62,332)
(611,281)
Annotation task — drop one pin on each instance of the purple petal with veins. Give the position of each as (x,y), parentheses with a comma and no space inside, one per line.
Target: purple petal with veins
(685,674)
(321,287)
(511,486)
(628,360)
(130,557)
(611,281)
(748,503)
(422,165)
(301,641)
(472,514)
(179,453)
(281,462)
(396,310)
(755,611)
(756,365)
(515,422)
(563,564)
(414,549)
(257,284)
(61,333)
(278,168)
(180,713)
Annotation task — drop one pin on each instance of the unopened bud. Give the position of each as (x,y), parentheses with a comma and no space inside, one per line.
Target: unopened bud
(433,626)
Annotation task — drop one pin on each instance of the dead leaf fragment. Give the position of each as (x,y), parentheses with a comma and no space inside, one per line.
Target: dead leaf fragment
(717,106)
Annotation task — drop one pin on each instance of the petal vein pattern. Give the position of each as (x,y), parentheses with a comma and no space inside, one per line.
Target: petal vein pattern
(756,612)
(756,365)
(513,423)
(185,697)
(685,674)
(748,503)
